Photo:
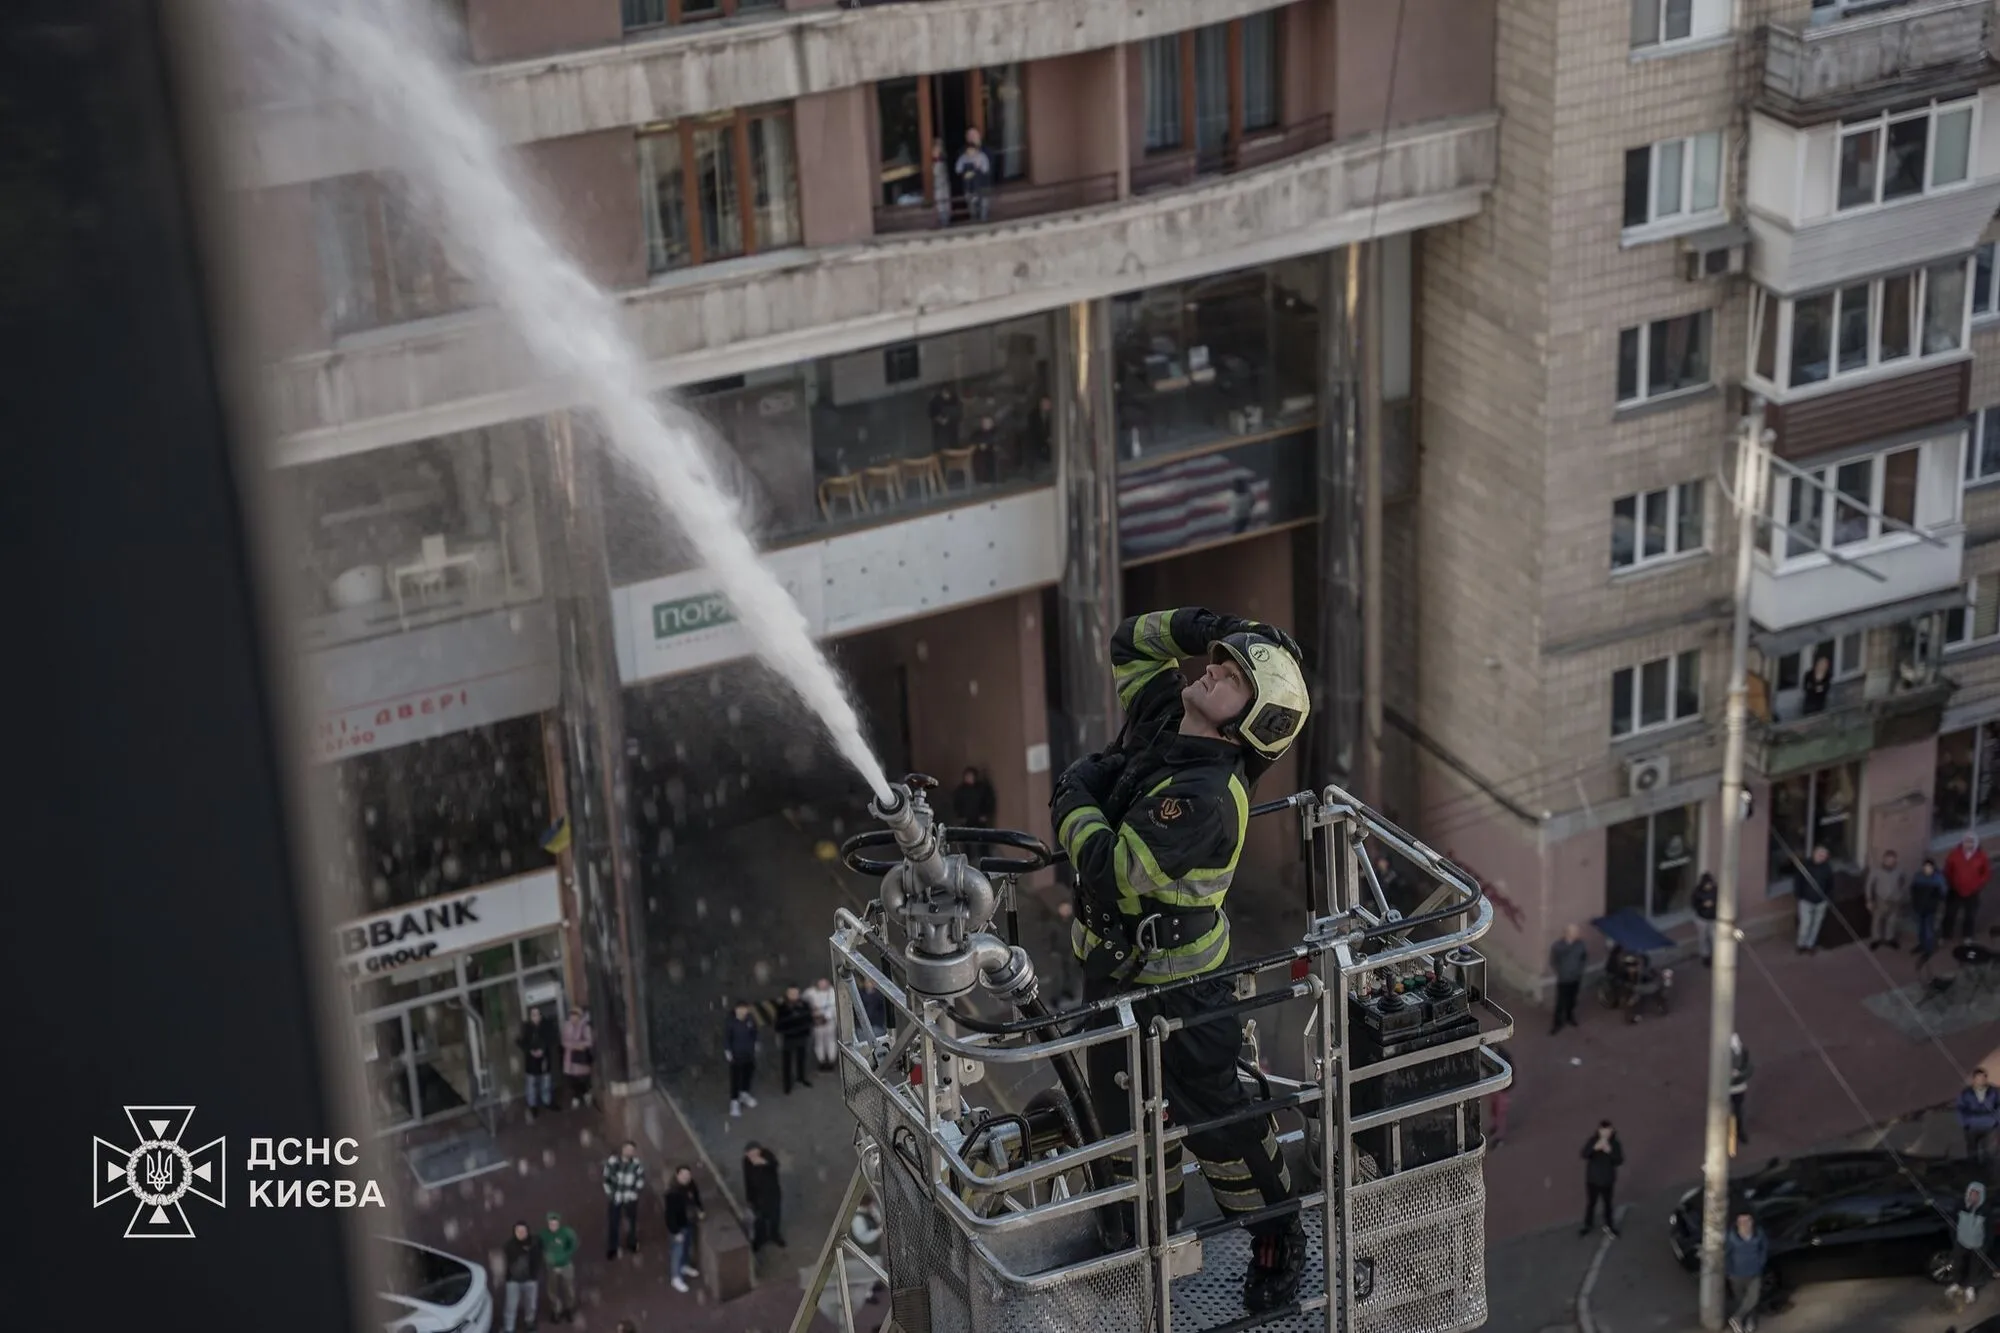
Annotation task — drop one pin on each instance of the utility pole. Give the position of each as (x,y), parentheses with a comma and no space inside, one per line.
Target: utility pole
(1367,256)
(1750,473)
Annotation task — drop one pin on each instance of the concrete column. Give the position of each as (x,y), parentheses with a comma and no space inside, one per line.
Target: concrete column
(1335,747)
(1087,489)
(610,906)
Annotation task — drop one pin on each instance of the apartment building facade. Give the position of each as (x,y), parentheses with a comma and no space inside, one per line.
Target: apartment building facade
(1701,209)
(967,426)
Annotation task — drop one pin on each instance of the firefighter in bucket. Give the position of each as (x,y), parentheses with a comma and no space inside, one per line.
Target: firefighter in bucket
(1154,828)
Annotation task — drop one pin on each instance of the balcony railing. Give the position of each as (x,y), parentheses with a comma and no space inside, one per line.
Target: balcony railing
(1821,65)
(1179,167)
(1851,726)
(1008,203)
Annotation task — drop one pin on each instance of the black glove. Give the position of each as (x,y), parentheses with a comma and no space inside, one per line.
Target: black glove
(1085,782)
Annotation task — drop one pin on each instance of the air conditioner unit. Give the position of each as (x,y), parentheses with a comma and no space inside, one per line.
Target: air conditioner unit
(1715,253)
(1645,776)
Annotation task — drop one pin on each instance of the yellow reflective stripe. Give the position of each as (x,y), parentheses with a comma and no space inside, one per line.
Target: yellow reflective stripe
(1189,960)
(1181,894)
(1241,797)
(1133,677)
(1153,636)
(1137,866)
(1072,835)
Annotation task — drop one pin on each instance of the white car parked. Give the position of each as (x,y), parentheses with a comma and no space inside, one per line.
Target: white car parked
(430,1291)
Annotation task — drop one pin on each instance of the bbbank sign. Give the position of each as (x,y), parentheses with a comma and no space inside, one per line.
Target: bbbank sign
(442,927)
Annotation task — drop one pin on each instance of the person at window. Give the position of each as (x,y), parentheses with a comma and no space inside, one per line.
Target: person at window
(1816,685)
(1154,828)
(1703,904)
(947,415)
(1966,871)
(1814,890)
(940,183)
(1968,1235)
(1978,1109)
(984,438)
(1745,1252)
(539,1041)
(1887,890)
(975,177)
(1927,892)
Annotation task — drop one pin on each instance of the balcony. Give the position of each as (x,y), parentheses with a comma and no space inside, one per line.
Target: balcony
(695,71)
(1008,203)
(1172,170)
(1824,70)
(1800,592)
(1851,726)
(1871,411)
(405,384)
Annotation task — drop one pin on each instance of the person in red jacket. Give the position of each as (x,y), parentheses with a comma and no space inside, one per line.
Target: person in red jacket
(1966,871)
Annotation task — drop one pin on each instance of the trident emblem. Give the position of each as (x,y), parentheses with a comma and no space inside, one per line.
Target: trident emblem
(159,1172)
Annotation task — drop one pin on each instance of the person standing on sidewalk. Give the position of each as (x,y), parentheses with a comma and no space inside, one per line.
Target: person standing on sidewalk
(764,1196)
(1703,903)
(794,1023)
(1602,1155)
(538,1042)
(739,1047)
(1568,957)
(579,1048)
(684,1215)
(1927,890)
(1813,888)
(1966,871)
(1978,1109)
(825,1010)
(1887,890)
(1739,1084)
(522,1259)
(624,1179)
(1968,1255)
(1745,1252)
(559,1244)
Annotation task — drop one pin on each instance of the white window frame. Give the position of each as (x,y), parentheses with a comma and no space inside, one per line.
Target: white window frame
(1876,367)
(1676,496)
(1984,421)
(1968,617)
(1847,665)
(1673,663)
(1645,332)
(1878,125)
(1707,19)
(1659,223)
(1880,536)
(1989,308)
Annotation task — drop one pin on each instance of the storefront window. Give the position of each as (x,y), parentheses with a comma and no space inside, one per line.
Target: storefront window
(1812,810)
(1169,505)
(1968,762)
(437,816)
(397,538)
(1650,863)
(497,1010)
(1233,357)
(541,950)
(868,437)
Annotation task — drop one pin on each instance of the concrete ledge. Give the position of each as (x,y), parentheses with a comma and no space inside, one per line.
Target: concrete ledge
(718,67)
(396,385)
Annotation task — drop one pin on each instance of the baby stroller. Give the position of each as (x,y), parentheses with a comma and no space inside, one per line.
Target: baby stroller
(1632,980)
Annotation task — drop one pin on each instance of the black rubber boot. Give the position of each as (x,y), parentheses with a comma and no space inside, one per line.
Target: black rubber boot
(1277,1263)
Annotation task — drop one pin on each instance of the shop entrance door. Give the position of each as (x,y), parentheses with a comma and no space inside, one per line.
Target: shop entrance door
(429,1061)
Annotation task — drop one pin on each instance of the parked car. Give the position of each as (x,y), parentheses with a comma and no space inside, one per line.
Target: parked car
(1840,1215)
(429,1291)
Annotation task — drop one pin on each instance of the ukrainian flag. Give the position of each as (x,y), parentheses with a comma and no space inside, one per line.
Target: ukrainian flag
(556,840)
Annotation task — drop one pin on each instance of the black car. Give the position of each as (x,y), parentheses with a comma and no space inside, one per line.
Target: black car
(1841,1215)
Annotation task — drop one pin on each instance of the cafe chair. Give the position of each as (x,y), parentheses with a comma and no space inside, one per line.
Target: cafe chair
(923,476)
(886,478)
(846,487)
(959,463)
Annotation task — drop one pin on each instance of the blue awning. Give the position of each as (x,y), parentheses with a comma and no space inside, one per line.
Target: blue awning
(1632,932)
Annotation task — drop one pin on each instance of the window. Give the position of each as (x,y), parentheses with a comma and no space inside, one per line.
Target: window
(1860,328)
(1982,446)
(1673,179)
(1222,80)
(1656,525)
(653,13)
(1967,780)
(922,125)
(902,363)
(1650,863)
(1985,292)
(718,187)
(1664,22)
(1811,810)
(1897,156)
(1663,357)
(1847,504)
(1978,621)
(379,264)
(1846,653)
(1655,694)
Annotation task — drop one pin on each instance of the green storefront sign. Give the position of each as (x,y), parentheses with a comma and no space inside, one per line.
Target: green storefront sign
(688,614)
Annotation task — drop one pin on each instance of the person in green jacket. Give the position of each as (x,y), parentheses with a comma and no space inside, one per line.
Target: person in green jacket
(559,1258)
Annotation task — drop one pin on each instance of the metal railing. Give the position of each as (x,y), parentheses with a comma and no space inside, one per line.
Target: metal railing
(1828,61)
(1005,203)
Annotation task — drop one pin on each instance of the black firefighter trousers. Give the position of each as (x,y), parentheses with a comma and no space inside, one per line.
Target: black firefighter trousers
(1242,1161)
